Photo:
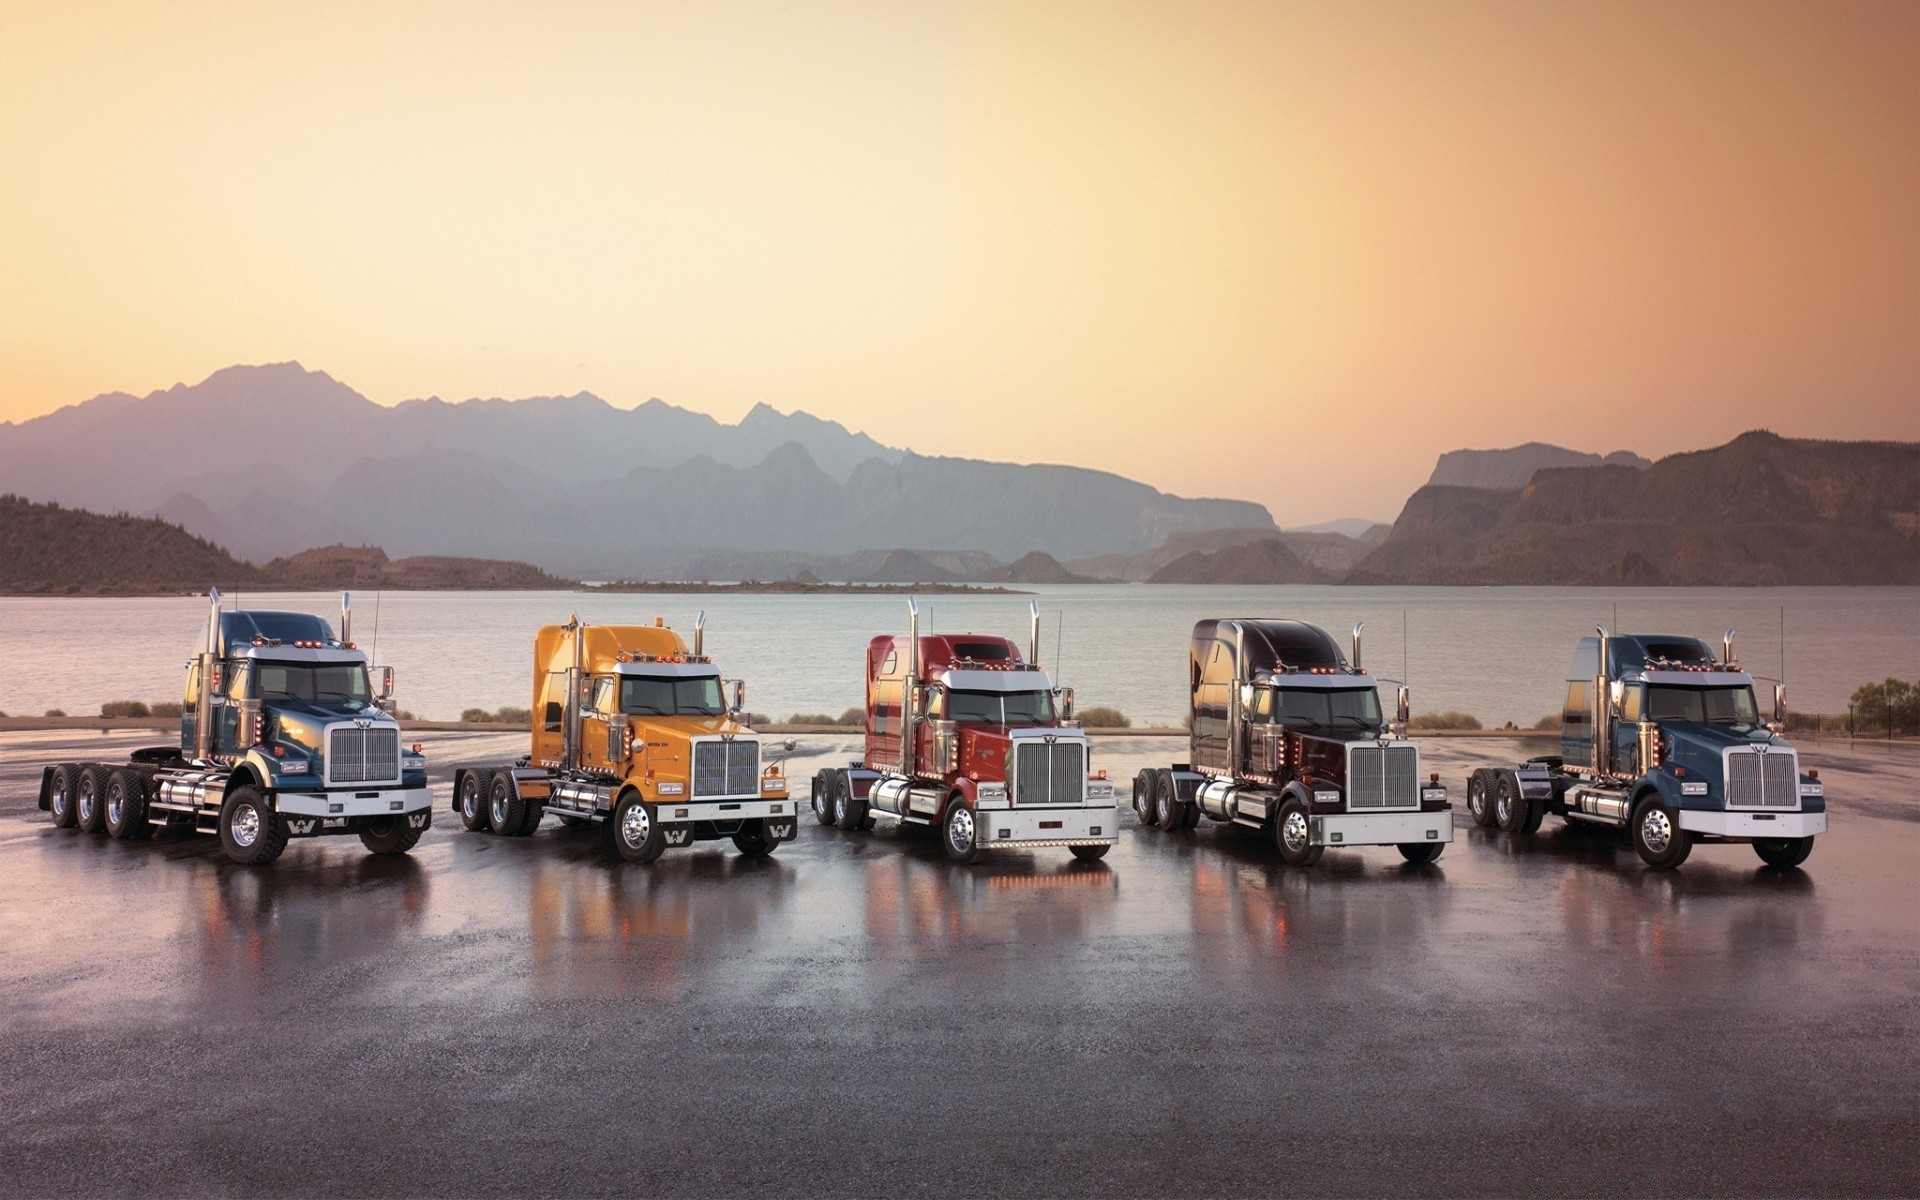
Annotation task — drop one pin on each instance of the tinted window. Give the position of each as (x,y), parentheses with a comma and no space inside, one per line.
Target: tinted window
(659,696)
(1000,708)
(334,683)
(1578,709)
(1715,706)
(1350,708)
(982,651)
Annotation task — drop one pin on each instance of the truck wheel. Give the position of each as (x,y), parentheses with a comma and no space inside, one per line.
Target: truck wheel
(474,799)
(1783,852)
(960,834)
(1090,853)
(506,811)
(752,840)
(60,786)
(251,833)
(1657,835)
(1171,812)
(635,830)
(536,812)
(1509,806)
(1192,810)
(1480,797)
(388,835)
(1421,853)
(823,800)
(1535,812)
(850,812)
(89,799)
(127,805)
(1144,803)
(1293,834)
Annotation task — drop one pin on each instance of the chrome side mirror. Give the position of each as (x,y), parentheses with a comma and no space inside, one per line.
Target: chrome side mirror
(1246,699)
(1780,706)
(1616,697)
(739,702)
(1063,699)
(386,686)
(1403,707)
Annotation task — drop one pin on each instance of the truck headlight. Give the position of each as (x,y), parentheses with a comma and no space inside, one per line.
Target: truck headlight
(1813,789)
(1693,787)
(671,789)
(990,791)
(1100,789)
(1433,795)
(774,783)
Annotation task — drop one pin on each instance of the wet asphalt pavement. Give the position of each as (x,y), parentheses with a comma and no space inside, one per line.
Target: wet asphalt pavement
(856,1016)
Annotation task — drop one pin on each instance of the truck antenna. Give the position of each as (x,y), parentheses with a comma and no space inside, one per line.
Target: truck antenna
(1406,676)
(373,659)
(1783,643)
(1059,628)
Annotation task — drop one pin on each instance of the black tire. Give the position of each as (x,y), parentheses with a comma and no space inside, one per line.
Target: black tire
(251,833)
(850,811)
(90,800)
(1657,836)
(1783,852)
(60,785)
(823,799)
(1192,818)
(506,811)
(473,800)
(752,840)
(1421,853)
(960,833)
(1509,806)
(1480,797)
(634,830)
(1144,798)
(126,805)
(1536,813)
(389,835)
(1090,853)
(1292,833)
(1172,813)
(536,811)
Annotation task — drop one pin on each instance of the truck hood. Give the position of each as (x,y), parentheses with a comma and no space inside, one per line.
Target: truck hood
(691,727)
(1715,738)
(314,711)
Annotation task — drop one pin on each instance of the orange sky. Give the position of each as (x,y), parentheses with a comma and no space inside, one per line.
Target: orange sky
(1281,252)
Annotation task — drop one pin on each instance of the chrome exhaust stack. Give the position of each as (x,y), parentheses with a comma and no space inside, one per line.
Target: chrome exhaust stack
(346,618)
(1357,627)
(908,686)
(700,634)
(203,704)
(1726,650)
(1603,707)
(1033,633)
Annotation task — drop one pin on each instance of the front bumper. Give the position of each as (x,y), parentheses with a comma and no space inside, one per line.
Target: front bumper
(672,811)
(365,802)
(1047,826)
(1382,829)
(1753,825)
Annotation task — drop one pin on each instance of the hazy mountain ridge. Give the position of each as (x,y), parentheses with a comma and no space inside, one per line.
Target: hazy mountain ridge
(1760,510)
(570,483)
(1515,465)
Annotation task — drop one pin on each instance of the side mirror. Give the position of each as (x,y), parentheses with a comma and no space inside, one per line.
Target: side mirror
(739,702)
(921,696)
(1616,697)
(1064,701)
(1403,707)
(1780,705)
(386,686)
(1246,700)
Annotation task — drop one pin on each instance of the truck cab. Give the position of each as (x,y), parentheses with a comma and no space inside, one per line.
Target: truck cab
(965,734)
(1665,738)
(1288,736)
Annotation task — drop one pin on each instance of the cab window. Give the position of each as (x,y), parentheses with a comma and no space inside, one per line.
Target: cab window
(603,696)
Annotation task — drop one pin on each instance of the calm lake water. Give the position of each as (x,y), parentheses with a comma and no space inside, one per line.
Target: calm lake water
(1499,653)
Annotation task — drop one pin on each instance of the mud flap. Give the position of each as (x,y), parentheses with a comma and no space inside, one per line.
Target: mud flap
(678,835)
(782,830)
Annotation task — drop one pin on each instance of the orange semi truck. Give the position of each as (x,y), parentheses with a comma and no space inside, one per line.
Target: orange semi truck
(633,732)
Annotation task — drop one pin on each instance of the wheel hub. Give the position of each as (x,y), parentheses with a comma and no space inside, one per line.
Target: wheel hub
(1294,830)
(635,825)
(960,829)
(246,825)
(113,807)
(1656,830)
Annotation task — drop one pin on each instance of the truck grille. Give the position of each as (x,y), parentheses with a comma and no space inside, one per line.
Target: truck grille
(726,768)
(1383,777)
(363,755)
(1770,780)
(1049,772)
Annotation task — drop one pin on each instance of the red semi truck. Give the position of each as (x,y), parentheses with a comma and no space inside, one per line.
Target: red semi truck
(964,735)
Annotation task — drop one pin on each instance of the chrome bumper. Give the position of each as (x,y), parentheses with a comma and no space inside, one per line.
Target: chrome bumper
(672,811)
(1753,825)
(1382,829)
(367,802)
(1047,827)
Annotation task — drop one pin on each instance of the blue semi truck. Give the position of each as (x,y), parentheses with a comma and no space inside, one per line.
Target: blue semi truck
(1664,740)
(281,735)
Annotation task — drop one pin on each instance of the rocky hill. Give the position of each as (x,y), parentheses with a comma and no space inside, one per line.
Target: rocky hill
(1761,510)
(1266,560)
(335,567)
(1513,467)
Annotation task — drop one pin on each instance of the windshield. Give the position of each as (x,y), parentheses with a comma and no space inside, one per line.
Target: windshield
(1000,708)
(651,696)
(344,684)
(1349,709)
(1704,706)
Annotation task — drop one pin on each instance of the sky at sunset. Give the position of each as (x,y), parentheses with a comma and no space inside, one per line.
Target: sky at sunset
(1282,252)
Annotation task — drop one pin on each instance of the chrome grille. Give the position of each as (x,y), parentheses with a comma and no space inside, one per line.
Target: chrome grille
(1049,772)
(727,768)
(363,755)
(1383,776)
(1770,780)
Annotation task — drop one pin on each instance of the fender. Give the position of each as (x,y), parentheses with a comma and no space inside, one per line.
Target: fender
(964,791)
(247,775)
(46,786)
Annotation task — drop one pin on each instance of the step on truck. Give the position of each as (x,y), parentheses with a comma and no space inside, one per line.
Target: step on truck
(965,736)
(1662,739)
(1287,737)
(281,737)
(633,735)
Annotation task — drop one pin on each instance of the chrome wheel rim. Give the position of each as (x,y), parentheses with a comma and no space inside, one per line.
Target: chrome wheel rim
(86,804)
(840,806)
(635,825)
(1656,830)
(470,799)
(498,811)
(246,825)
(1293,830)
(58,799)
(1476,800)
(960,830)
(113,805)
(1503,808)
(1163,808)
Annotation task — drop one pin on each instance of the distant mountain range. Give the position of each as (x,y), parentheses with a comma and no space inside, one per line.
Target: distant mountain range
(1513,467)
(269,460)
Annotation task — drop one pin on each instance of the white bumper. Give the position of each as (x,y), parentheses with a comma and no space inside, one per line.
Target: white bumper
(672,811)
(1048,826)
(366,802)
(1382,829)
(1753,825)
